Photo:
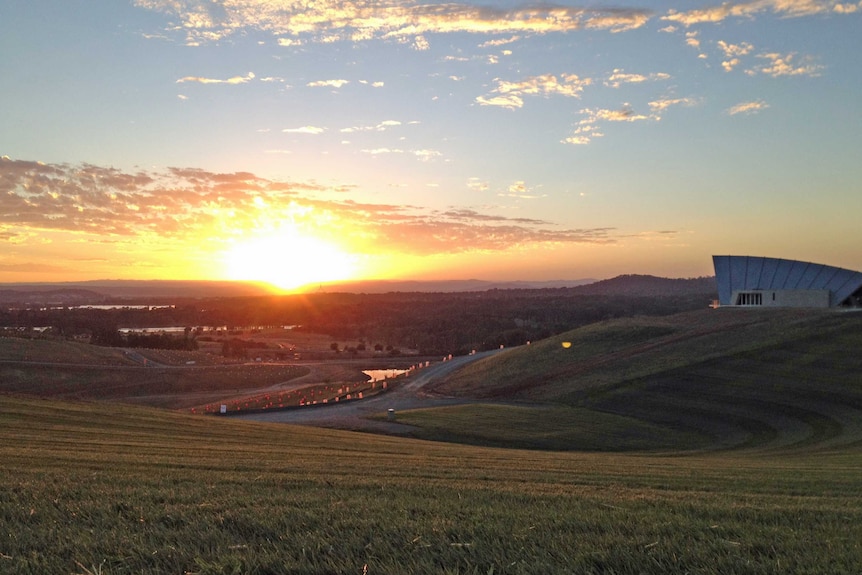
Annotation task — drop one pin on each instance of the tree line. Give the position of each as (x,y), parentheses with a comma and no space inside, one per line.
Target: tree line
(432,323)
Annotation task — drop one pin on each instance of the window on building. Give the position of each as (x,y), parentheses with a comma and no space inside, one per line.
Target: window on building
(750,298)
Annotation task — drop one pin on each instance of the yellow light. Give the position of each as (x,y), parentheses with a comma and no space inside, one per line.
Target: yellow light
(288,260)
(567,344)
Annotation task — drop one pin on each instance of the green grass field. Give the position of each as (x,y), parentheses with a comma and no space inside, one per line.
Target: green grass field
(716,379)
(103,488)
(708,443)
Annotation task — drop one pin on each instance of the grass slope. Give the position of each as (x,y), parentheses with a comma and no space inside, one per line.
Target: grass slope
(111,489)
(70,370)
(703,380)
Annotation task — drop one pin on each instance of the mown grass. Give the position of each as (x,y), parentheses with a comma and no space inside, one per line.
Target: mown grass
(169,387)
(72,370)
(553,427)
(616,350)
(96,488)
(713,380)
(43,350)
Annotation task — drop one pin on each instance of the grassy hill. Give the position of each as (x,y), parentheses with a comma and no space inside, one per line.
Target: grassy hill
(641,412)
(702,380)
(90,488)
(71,370)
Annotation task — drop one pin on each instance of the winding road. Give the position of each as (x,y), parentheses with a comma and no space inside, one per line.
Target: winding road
(354,415)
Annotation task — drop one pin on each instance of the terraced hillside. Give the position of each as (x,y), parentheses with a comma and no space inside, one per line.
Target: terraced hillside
(713,379)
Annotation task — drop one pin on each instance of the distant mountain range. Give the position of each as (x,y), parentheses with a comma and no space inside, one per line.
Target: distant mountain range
(99,291)
(102,291)
(645,285)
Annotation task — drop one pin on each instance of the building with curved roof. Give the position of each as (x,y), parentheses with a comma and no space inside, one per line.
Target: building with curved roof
(775,282)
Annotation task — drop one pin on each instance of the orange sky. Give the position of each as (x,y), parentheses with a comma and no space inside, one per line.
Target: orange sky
(297,142)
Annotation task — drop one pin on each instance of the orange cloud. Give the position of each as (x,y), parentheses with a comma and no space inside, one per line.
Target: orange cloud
(183,207)
(360,20)
(235,80)
(509,94)
(747,108)
(786,8)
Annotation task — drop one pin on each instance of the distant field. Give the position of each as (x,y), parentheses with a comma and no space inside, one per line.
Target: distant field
(111,489)
(69,370)
(41,350)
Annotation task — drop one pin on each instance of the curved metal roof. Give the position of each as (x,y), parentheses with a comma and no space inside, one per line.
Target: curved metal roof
(734,273)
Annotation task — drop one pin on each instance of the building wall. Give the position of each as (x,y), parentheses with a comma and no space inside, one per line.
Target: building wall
(783,282)
(780,298)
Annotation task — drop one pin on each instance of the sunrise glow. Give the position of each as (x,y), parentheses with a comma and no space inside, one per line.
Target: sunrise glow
(425,140)
(288,261)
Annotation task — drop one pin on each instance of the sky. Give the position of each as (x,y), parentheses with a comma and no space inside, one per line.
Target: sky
(303,141)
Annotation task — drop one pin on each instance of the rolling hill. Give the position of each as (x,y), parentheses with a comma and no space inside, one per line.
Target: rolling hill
(758,415)
(711,379)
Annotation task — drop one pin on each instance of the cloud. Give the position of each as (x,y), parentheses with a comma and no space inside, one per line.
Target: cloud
(747,108)
(783,8)
(588,127)
(424,155)
(328,83)
(624,114)
(663,104)
(380,151)
(235,80)
(477,185)
(510,101)
(732,52)
(427,155)
(381,127)
(362,20)
(618,77)
(692,40)
(179,206)
(510,94)
(313,130)
(499,42)
(784,65)
(520,190)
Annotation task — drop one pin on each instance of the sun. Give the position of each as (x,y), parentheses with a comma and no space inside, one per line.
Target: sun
(288,261)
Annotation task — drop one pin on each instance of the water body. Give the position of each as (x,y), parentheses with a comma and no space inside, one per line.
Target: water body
(381,374)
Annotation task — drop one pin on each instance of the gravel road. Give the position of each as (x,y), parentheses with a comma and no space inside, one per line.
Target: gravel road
(354,415)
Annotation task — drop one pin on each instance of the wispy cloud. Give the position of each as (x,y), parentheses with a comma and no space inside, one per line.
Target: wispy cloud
(499,42)
(619,77)
(381,127)
(657,106)
(785,65)
(747,108)
(424,155)
(359,20)
(510,95)
(477,184)
(201,80)
(784,8)
(313,130)
(328,83)
(519,189)
(99,204)
(588,129)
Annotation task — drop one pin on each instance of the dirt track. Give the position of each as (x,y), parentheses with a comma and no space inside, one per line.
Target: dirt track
(354,415)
